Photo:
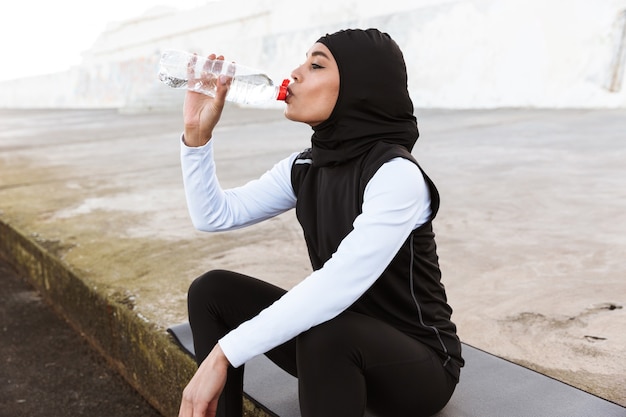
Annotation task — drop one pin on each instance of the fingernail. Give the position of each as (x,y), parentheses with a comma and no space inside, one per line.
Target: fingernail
(223,79)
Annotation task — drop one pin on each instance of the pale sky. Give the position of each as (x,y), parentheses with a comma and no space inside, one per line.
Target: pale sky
(46,36)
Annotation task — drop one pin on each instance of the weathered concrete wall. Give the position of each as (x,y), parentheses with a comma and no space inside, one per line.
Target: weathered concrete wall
(460,54)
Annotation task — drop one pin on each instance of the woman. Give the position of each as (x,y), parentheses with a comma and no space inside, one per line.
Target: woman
(370,327)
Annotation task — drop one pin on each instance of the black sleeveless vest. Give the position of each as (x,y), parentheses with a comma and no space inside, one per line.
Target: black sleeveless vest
(409,294)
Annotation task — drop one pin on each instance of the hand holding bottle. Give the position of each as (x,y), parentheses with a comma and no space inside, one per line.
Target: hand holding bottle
(201,112)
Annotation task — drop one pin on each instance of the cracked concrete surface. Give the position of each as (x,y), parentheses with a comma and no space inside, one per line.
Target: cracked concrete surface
(531,233)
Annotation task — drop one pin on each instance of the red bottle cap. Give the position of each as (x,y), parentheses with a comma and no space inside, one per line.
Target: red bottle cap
(282,91)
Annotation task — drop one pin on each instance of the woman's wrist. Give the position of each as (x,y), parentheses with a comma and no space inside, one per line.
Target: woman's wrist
(218,358)
(192,138)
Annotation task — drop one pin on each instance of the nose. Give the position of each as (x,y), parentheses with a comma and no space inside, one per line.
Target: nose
(295,74)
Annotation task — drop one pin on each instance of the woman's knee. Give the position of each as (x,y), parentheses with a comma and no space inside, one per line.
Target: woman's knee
(206,284)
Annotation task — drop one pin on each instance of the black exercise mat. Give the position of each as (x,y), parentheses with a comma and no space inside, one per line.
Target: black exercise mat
(490,387)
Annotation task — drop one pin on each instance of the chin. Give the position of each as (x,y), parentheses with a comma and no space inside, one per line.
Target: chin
(295,118)
(290,116)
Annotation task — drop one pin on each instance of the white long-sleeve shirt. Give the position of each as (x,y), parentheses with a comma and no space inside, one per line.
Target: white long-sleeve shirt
(396,201)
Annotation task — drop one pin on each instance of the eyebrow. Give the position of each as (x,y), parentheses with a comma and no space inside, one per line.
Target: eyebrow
(319,53)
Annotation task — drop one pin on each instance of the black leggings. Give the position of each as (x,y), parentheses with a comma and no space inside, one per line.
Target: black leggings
(343,366)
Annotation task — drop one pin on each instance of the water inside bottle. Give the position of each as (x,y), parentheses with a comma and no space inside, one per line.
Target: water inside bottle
(251,89)
(253,79)
(172,81)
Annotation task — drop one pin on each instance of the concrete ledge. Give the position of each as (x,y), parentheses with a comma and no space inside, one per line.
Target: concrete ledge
(145,356)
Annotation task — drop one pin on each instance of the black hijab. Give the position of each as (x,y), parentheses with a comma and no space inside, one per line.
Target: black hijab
(373,103)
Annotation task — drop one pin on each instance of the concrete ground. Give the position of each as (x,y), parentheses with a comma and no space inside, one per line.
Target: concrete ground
(531,233)
(48,369)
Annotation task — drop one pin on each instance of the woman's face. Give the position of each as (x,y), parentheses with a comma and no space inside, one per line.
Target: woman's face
(315,87)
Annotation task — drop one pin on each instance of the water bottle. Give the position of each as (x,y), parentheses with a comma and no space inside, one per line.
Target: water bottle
(248,86)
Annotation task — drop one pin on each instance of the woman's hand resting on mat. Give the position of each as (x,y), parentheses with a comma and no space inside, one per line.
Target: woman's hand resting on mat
(200,396)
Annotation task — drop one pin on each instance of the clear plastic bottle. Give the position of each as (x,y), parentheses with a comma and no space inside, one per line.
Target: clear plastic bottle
(249,86)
